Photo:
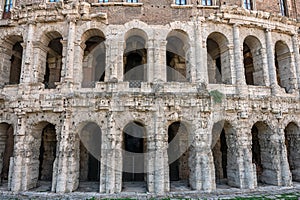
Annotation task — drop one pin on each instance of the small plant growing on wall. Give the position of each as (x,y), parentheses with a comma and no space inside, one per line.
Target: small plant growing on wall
(217,96)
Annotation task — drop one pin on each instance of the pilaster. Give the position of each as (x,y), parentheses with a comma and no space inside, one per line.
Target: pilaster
(297,58)
(271,61)
(64,174)
(200,53)
(201,162)
(158,153)
(68,65)
(20,180)
(111,158)
(239,66)
(160,64)
(27,63)
(114,58)
(39,62)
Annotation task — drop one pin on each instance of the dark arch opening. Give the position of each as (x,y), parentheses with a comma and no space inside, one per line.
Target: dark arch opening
(220,159)
(248,65)
(47,153)
(134,146)
(218,59)
(292,142)
(263,154)
(16,64)
(178,154)
(94,61)
(6,150)
(283,64)
(214,62)
(53,63)
(90,157)
(176,57)
(135,61)
(134,176)
(253,61)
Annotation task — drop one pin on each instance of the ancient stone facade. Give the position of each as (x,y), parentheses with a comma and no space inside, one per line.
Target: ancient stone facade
(82,81)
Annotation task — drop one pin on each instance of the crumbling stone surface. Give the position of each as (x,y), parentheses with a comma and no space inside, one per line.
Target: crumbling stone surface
(213,90)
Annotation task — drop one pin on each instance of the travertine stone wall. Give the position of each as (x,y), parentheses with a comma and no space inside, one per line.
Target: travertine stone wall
(202,102)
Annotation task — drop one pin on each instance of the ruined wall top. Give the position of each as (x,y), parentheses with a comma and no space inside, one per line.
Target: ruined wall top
(154,11)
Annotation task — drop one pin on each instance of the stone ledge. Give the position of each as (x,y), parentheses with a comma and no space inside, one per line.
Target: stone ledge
(118,4)
(207,7)
(181,6)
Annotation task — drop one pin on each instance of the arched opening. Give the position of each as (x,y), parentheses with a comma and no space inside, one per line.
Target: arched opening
(135,58)
(6,149)
(253,61)
(94,58)
(224,150)
(90,157)
(134,147)
(12,60)
(262,156)
(218,63)
(283,64)
(177,47)
(42,141)
(178,155)
(47,152)
(292,142)
(53,60)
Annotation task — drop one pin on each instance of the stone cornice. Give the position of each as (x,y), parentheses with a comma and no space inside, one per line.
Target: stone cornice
(54,12)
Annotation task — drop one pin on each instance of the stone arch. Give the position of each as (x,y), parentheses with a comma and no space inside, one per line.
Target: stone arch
(51,68)
(263,150)
(218,63)
(177,56)
(43,146)
(11,60)
(178,152)
(135,57)
(283,64)
(253,61)
(224,147)
(90,139)
(134,147)
(6,149)
(94,57)
(292,142)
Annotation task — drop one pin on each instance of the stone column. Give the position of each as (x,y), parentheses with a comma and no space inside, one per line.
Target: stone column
(149,68)
(114,58)
(158,163)
(200,54)
(271,61)
(27,68)
(65,178)
(19,180)
(297,58)
(111,158)
(239,66)
(285,173)
(39,62)
(68,62)
(264,57)
(78,62)
(246,172)
(160,64)
(201,162)
(191,60)
(231,64)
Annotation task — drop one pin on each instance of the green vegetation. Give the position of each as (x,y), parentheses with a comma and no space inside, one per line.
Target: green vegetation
(217,96)
(290,196)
